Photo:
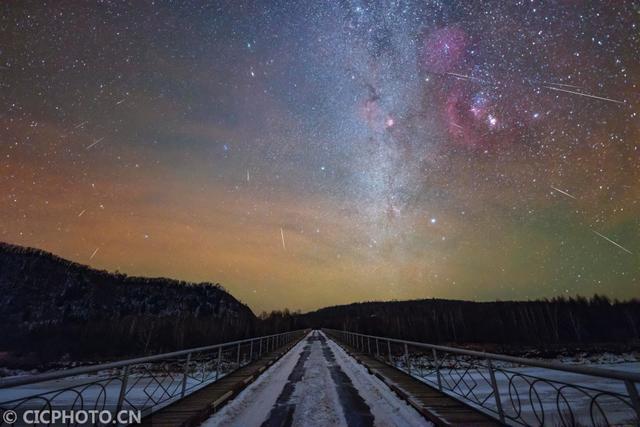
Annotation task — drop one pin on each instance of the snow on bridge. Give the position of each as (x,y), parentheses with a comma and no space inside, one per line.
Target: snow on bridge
(317,384)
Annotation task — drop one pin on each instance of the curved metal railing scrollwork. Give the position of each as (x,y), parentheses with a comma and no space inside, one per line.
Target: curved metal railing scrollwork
(516,391)
(144,384)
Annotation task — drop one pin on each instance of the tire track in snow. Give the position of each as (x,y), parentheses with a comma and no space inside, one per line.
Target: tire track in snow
(314,400)
(282,412)
(254,403)
(387,408)
(356,411)
(316,385)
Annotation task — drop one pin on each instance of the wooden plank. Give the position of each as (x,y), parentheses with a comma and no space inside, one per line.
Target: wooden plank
(437,407)
(193,409)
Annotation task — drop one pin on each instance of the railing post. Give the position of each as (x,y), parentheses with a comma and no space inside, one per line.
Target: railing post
(496,392)
(406,358)
(219,364)
(184,375)
(260,348)
(437,363)
(633,395)
(123,388)
(204,359)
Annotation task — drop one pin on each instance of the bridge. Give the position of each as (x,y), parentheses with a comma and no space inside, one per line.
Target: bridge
(331,378)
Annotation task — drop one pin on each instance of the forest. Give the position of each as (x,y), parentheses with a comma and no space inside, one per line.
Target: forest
(54,310)
(544,324)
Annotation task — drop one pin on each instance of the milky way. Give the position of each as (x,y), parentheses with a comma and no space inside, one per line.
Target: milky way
(312,153)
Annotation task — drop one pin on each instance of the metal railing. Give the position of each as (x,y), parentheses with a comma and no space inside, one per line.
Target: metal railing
(513,390)
(144,384)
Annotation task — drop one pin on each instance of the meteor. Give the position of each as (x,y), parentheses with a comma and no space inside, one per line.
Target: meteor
(612,242)
(562,192)
(282,235)
(96,142)
(94,254)
(585,94)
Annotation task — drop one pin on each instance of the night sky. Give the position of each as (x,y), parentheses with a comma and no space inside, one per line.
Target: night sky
(310,153)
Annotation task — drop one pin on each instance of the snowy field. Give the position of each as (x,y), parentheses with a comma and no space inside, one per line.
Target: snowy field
(102,390)
(535,390)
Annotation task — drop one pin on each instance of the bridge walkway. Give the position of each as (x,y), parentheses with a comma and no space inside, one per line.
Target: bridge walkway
(315,381)
(195,408)
(436,406)
(318,383)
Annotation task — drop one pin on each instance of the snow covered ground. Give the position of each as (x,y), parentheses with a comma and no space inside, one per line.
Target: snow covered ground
(317,384)
(385,405)
(519,397)
(102,391)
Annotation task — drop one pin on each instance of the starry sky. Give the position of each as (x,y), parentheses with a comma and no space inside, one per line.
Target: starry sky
(310,153)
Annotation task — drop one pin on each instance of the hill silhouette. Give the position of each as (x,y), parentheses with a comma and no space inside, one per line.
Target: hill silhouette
(54,307)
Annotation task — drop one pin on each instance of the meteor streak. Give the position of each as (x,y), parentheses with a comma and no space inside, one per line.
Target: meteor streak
(282,235)
(94,254)
(462,76)
(585,94)
(612,242)
(562,192)
(96,142)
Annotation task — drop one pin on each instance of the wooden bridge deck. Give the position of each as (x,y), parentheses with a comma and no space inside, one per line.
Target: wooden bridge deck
(434,405)
(195,408)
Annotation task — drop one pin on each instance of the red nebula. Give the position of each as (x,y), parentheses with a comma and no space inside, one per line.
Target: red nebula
(460,119)
(478,121)
(375,117)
